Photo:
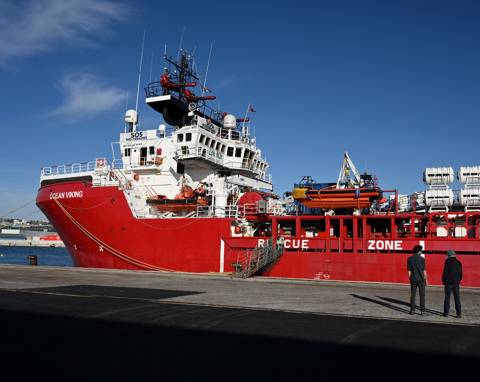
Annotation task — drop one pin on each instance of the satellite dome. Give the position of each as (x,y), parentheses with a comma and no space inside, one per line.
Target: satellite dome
(229,121)
(131,116)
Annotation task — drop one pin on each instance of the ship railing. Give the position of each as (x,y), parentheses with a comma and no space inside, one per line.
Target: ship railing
(250,209)
(65,169)
(117,164)
(229,211)
(212,155)
(254,260)
(155,89)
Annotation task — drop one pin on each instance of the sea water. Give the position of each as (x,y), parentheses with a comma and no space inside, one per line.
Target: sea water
(57,256)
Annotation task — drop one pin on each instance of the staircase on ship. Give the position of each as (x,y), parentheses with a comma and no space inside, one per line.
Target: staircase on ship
(252,261)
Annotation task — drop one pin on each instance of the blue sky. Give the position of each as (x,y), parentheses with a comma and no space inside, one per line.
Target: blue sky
(394,83)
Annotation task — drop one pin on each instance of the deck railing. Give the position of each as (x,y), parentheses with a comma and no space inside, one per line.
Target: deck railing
(65,169)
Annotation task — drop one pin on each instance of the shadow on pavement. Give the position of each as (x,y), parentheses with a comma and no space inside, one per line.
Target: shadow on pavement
(39,345)
(407,303)
(382,303)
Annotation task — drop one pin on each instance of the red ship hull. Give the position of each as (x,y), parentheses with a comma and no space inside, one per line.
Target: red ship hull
(100,231)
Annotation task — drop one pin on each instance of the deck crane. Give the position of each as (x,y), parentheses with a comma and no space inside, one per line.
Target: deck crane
(349,176)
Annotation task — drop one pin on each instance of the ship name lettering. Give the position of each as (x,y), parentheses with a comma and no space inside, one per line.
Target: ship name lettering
(288,243)
(66,195)
(295,243)
(136,135)
(381,245)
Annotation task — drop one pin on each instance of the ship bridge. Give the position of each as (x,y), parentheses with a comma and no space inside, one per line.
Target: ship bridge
(225,149)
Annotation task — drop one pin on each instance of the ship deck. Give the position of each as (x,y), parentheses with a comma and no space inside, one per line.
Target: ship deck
(73,322)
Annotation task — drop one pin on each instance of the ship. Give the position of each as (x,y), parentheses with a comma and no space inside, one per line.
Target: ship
(195,195)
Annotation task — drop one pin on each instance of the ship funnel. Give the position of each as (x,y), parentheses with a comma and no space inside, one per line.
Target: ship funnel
(230,121)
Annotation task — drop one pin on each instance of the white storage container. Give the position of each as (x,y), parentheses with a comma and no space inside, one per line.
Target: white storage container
(438,175)
(469,174)
(439,199)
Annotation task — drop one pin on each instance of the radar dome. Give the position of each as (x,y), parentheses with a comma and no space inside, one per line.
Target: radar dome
(230,121)
(131,116)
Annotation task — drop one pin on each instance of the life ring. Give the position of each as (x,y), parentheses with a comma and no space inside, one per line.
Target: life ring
(100,162)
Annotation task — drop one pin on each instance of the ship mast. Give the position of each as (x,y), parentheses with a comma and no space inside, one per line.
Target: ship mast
(134,127)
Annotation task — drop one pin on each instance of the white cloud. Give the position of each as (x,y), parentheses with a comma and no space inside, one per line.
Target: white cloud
(86,96)
(38,26)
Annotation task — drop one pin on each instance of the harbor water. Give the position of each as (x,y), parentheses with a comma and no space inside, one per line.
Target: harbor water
(57,257)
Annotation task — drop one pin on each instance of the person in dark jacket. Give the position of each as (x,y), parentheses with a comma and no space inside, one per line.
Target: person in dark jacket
(418,278)
(452,276)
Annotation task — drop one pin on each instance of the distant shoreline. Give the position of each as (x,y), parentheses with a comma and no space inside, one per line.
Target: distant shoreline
(32,243)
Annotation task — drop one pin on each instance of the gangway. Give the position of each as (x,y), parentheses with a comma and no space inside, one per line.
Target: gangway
(252,261)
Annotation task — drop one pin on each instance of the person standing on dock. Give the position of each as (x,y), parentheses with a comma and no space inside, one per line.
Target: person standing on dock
(452,276)
(418,278)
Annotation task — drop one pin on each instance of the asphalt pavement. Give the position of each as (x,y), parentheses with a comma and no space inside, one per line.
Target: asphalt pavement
(66,323)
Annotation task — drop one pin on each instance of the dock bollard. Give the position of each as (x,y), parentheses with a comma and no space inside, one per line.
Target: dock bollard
(32,260)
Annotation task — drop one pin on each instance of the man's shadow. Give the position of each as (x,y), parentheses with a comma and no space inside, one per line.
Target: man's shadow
(400,302)
(386,302)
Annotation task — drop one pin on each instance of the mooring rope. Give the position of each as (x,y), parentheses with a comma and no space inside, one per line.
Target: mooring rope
(107,247)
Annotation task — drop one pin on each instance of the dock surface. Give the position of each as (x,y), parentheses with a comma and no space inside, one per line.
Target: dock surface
(71,322)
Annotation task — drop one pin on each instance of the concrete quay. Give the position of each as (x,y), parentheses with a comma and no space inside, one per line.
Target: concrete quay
(178,326)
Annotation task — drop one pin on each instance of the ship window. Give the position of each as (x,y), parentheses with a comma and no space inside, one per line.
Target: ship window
(212,144)
(188,137)
(152,150)
(202,138)
(286,228)
(127,152)
(230,151)
(207,141)
(218,146)
(312,228)
(180,138)
(238,152)
(223,149)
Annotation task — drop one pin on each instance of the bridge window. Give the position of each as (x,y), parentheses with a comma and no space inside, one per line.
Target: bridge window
(223,149)
(152,150)
(207,141)
(202,138)
(180,138)
(229,151)
(212,144)
(218,146)
(128,152)
(238,152)
(188,137)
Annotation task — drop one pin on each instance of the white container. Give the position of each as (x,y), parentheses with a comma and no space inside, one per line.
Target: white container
(469,174)
(439,199)
(438,175)
(470,197)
